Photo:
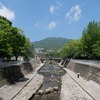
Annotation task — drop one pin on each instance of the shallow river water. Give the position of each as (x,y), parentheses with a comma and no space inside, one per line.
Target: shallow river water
(52,82)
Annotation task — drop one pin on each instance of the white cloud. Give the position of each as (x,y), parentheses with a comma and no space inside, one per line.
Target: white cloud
(74,13)
(52,25)
(4,11)
(52,9)
(45,25)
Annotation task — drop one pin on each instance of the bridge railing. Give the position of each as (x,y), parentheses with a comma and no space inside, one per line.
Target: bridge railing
(50,58)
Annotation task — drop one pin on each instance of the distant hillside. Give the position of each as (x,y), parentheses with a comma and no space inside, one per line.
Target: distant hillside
(51,43)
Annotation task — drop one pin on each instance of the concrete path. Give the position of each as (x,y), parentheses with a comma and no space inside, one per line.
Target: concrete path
(30,88)
(70,90)
(89,86)
(10,92)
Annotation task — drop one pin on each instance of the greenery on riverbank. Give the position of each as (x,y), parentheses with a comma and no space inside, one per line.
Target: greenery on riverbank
(13,42)
(87,47)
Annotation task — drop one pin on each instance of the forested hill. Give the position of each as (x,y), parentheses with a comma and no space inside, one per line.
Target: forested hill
(51,43)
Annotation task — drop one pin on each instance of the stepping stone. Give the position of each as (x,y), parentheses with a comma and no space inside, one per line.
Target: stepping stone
(49,90)
(40,92)
(56,89)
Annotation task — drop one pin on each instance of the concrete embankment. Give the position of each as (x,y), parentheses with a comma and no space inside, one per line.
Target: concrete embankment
(87,71)
(89,79)
(12,73)
(26,86)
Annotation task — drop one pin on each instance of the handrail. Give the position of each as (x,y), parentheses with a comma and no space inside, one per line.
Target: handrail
(8,64)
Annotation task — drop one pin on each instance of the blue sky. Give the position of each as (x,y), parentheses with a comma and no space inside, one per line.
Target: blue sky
(51,18)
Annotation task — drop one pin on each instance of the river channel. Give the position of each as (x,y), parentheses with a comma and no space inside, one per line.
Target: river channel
(50,90)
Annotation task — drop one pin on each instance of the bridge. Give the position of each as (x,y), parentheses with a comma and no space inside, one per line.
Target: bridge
(50,58)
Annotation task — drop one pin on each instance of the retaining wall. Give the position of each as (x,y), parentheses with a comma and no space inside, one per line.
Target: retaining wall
(12,74)
(88,72)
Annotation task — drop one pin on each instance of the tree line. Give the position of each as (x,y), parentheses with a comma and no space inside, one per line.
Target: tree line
(87,47)
(13,42)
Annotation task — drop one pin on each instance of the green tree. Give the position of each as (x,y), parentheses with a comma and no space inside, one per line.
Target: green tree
(5,31)
(13,42)
(18,42)
(28,49)
(90,39)
(96,50)
(73,49)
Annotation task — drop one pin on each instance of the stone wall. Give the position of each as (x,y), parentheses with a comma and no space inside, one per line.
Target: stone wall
(88,72)
(12,74)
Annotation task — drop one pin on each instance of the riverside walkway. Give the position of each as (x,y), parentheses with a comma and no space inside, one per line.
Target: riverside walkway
(20,90)
(90,87)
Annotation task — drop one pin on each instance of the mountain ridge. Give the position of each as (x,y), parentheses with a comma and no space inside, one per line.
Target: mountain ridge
(51,43)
